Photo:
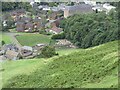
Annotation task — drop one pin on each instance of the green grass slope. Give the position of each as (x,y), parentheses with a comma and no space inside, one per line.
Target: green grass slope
(95,67)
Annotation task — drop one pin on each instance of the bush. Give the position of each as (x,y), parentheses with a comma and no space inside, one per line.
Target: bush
(48,51)
(42,32)
(2,43)
(58,36)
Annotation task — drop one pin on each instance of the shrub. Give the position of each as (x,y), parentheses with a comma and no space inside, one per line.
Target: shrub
(58,36)
(42,32)
(48,51)
(2,43)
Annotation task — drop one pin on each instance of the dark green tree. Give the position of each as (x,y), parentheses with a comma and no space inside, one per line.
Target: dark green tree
(2,42)
(48,51)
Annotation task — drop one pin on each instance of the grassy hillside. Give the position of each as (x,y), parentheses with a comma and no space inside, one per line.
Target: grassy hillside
(94,67)
(33,39)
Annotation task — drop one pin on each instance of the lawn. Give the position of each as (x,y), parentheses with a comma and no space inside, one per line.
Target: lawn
(33,39)
(5,38)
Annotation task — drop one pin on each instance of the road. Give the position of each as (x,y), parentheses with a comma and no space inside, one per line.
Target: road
(14,40)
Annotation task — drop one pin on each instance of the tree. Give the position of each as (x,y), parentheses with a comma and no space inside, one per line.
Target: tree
(48,51)
(7,6)
(2,42)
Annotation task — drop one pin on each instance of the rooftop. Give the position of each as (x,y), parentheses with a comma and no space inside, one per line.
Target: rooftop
(78,7)
(27,48)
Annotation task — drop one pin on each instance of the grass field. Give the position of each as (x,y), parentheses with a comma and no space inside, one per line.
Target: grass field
(33,39)
(5,38)
(94,67)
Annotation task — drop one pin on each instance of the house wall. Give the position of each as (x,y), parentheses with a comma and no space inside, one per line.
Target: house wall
(66,13)
(77,10)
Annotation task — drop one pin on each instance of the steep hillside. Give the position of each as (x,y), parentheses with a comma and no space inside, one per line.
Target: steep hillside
(94,67)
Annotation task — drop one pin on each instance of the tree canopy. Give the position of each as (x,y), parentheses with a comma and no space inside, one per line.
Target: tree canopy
(87,30)
(7,6)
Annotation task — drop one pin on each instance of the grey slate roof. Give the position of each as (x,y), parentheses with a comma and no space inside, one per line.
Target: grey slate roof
(27,48)
(9,47)
(82,7)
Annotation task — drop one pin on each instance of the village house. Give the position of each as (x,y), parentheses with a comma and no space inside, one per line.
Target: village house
(18,13)
(103,7)
(55,30)
(46,8)
(12,55)
(37,23)
(55,9)
(9,47)
(108,7)
(29,27)
(26,19)
(10,52)
(99,8)
(61,6)
(20,26)
(5,19)
(54,26)
(77,9)
(4,23)
(90,2)
(47,25)
(26,51)
(53,16)
(27,24)
(17,18)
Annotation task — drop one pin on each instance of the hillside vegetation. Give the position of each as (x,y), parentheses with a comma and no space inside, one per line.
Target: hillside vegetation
(90,30)
(94,67)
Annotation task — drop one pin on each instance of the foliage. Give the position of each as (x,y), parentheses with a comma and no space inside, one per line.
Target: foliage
(2,42)
(62,23)
(58,36)
(52,4)
(42,32)
(10,25)
(7,6)
(48,51)
(87,30)
(71,3)
(95,67)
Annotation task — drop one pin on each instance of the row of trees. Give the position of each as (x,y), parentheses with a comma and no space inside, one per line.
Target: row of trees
(7,6)
(91,29)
